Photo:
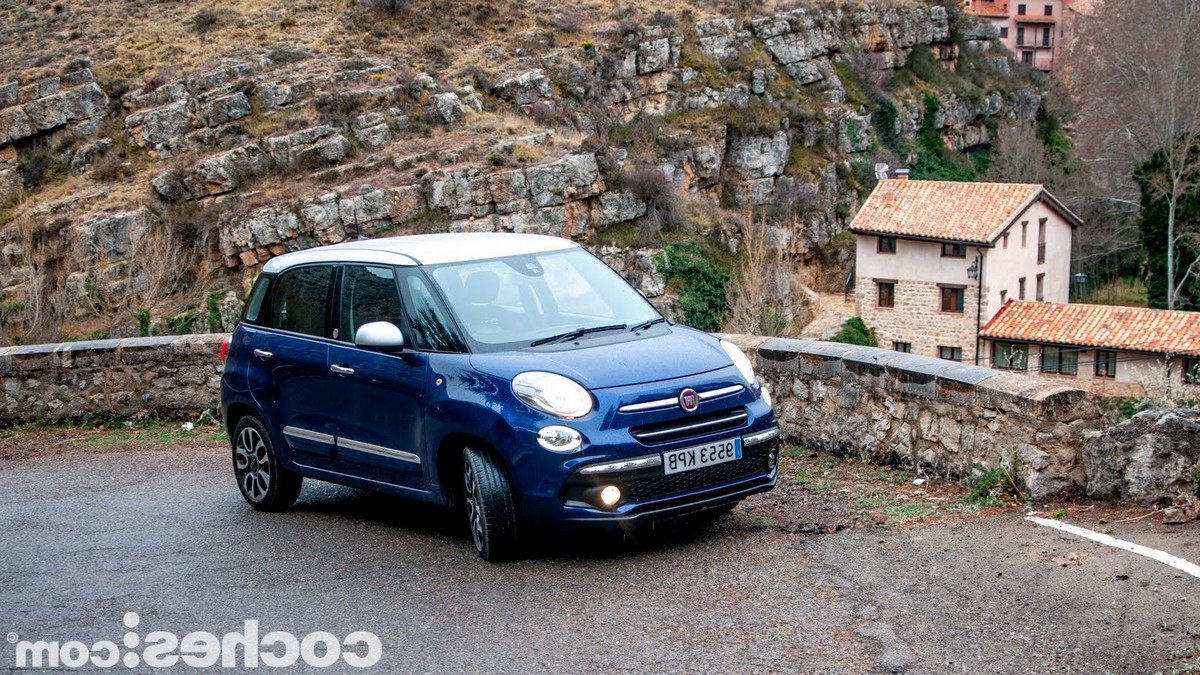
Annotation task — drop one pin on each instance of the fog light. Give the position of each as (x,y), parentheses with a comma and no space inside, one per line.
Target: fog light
(560,439)
(772,460)
(609,496)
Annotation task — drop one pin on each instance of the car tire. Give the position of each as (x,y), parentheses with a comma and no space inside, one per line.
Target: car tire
(488,502)
(264,483)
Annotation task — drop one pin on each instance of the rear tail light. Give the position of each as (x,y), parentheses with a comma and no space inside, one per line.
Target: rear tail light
(225,348)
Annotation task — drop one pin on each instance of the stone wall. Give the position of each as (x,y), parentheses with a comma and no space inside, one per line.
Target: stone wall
(945,417)
(178,376)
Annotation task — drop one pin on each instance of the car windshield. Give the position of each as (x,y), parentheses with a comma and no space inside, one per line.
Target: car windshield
(541,298)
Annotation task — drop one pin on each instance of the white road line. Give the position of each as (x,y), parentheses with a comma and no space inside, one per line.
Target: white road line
(1152,553)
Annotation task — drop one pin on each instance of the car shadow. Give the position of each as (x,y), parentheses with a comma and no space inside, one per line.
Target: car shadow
(326,499)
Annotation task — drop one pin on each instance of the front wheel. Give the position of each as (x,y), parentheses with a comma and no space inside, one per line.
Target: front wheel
(491,514)
(265,484)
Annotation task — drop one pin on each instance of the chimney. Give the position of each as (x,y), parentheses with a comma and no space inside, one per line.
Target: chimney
(901,174)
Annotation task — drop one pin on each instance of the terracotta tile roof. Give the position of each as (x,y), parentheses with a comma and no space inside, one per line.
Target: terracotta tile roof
(946,210)
(1118,328)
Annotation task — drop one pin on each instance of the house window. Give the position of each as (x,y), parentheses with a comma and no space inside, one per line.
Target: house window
(1106,363)
(887,245)
(954,250)
(1041,288)
(905,347)
(1005,240)
(1045,37)
(885,293)
(952,298)
(1059,360)
(1191,371)
(1021,37)
(950,353)
(1010,355)
(1049,10)
(1041,241)
(1004,32)
(1024,227)
(1003,296)
(1021,288)
(1020,10)
(1027,58)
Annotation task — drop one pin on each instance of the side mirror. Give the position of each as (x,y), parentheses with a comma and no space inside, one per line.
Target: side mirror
(380,336)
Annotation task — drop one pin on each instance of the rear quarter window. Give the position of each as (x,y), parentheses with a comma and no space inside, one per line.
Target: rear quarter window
(258,295)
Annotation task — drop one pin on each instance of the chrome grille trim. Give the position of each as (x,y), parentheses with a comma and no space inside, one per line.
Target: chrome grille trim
(734,418)
(624,465)
(674,402)
(761,437)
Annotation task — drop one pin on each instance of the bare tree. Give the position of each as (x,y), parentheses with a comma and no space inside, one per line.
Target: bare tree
(1138,80)
(1020,157)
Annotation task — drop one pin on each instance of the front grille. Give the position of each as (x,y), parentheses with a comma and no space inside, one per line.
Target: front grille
(652,487)
(690,427)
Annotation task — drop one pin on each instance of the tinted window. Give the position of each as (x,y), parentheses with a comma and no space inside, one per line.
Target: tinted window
(369,294)
(300,301)
(430,327)
(254,304)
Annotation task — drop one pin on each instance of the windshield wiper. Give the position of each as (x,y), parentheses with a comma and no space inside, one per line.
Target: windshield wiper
(574,334)
(646,324)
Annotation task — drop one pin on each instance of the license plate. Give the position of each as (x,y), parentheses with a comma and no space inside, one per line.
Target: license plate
(702,456)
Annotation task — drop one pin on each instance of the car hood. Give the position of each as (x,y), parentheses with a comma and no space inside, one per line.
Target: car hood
(678,353)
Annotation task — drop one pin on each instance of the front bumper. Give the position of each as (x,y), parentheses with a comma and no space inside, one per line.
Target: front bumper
(649,494)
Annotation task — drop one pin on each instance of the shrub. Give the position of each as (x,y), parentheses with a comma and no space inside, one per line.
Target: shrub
(649,184)
(855,332)
(204,21)
(703,295)
(143,321)
(991,487)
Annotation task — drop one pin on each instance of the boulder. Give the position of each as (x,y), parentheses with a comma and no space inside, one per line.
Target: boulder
(222,110)
(156,126)
(82,161)
(14,125)
(754,157)
(1152,458)
(572,177)
(450,108)
(526,88)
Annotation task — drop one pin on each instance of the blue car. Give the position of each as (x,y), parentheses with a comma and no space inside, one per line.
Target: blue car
(515,377)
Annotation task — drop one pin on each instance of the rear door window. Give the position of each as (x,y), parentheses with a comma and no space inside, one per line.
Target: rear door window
(300,302)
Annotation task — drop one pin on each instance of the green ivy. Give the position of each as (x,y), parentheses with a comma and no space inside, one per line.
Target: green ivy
(143,321)
(214,312)
(705,281)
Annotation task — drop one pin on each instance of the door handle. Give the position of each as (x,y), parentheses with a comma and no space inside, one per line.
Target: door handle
(263,354)
(342,370)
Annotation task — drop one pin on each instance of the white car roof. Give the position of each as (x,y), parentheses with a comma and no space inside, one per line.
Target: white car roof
(424,249)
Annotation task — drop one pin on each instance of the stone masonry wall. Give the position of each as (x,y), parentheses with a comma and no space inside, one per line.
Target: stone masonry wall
(917,317)
(912,410)
(177,376)
(878,404)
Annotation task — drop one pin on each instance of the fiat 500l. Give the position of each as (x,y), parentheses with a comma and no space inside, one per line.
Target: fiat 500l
(516,377)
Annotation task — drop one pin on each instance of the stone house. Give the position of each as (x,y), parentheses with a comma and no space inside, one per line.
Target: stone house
(935,260)
(1033,30)
(1112,351)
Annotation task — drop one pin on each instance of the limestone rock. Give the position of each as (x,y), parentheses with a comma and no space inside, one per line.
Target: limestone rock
(152,128)
(9,94)
(572,177)
(224,109)
(526,88)
(82,161)
(754,157)
(450,108)
(313,146)
(1152,458)
(14,125)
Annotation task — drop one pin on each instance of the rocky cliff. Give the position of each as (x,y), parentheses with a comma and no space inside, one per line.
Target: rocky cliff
(125,210)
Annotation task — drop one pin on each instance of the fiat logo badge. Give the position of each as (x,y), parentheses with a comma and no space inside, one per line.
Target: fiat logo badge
(689,400)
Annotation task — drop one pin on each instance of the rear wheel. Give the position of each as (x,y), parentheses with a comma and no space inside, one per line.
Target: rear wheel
(488,498)
(265,484)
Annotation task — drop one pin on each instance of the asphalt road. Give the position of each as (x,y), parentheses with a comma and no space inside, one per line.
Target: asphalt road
(86,538)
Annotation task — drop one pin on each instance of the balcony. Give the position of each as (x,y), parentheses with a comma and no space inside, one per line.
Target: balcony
(1040,42)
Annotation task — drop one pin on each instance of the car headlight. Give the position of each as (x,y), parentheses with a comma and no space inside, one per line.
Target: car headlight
(740,360)
(553,394)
